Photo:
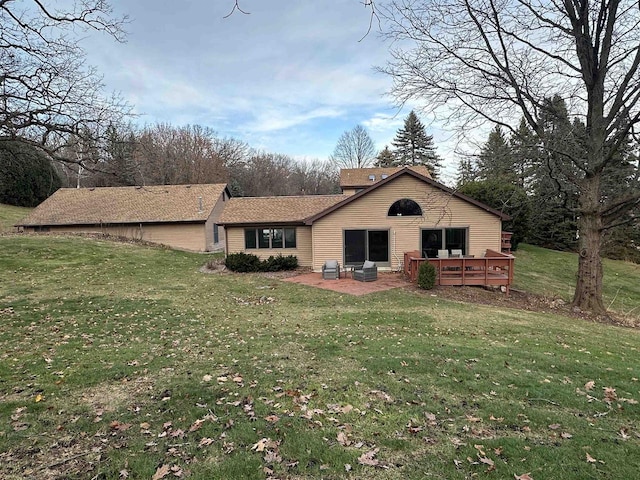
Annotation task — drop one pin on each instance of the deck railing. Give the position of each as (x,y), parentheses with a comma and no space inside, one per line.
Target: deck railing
(495,269)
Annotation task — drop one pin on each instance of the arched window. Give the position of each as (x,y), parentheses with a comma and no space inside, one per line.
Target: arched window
(405,207)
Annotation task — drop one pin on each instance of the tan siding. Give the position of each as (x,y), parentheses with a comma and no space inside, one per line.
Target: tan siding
(370,211)
(181,236)
(235,242)
(213,218)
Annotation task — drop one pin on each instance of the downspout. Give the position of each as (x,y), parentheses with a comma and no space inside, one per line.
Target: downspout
(395,254)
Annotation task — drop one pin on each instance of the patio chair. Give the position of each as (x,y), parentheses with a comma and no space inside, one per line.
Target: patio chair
(331,270)
(367,272)
(443,253)
(456,253)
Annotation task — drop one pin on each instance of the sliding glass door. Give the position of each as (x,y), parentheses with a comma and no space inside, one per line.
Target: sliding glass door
(361,245)
(434,239)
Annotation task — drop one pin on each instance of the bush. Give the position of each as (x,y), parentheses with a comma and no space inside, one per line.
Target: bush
(246,262)
(426,276)
(27,176)
(242,262)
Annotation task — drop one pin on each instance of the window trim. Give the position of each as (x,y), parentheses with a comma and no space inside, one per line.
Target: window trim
(402,214)
(256,233)
(465,250)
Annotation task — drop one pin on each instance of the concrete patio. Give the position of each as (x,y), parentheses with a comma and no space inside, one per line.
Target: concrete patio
(385,281)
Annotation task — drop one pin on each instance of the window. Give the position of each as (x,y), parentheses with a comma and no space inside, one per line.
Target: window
(405,207)
(216,233)
(266,237)
(434,239)
(361,245)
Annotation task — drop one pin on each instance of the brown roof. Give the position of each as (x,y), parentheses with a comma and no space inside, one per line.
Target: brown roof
(361,177)
(253,210)
(102,205)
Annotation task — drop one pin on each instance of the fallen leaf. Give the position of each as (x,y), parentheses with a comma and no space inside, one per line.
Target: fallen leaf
(368,458)
(162,472)
(39,398)
(260,445)
(196,425)
(589,385)
(205,442)
(590,459)
(524,476)
(342,439)
(486,460)
(347,467)
(207,378)
(272,418)
(555,426)
(124,474)
(566,435)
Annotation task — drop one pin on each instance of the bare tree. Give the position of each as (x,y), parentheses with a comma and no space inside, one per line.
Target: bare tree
(478,61)
(354,149)
(47,92)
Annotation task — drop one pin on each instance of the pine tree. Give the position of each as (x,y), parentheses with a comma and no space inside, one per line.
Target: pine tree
(385,158)
(412,146)
(496,160)
(467,172)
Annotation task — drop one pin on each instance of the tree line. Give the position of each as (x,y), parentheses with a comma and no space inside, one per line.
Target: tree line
(533,181)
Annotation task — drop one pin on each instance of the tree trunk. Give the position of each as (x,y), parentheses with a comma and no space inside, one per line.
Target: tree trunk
(588,294)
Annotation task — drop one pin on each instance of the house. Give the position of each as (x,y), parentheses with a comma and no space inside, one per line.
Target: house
(179,216)
(380,216)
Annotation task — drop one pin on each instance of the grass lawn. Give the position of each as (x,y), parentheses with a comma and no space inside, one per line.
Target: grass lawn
(553,274)
(9,215)
(122,361)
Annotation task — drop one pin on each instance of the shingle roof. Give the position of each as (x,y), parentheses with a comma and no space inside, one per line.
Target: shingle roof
(102,205)
(253,210)
(360,177)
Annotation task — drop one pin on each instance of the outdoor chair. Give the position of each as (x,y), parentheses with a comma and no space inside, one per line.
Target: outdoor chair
(456,253)
(367,272)
(331,270)
(443,253)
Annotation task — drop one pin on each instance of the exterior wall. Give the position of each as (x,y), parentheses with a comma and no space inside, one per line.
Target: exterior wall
(370,211)
(181,236)
(235,244)
(211,246)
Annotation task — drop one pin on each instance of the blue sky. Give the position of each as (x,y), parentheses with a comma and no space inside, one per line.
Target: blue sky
(288,78)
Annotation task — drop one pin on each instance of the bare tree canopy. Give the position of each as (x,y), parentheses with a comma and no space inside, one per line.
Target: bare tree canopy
(354,149)
(493,60)
(47,92)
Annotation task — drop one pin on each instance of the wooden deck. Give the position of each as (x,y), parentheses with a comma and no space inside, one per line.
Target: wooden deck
(495,269)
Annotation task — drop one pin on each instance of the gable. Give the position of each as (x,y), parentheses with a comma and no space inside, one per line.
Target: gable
(420,185)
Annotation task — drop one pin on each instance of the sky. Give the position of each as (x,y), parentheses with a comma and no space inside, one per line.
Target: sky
(288,77)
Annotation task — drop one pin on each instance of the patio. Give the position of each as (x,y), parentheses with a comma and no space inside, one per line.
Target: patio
(385,281)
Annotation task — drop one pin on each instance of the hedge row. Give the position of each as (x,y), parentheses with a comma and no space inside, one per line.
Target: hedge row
(247,262)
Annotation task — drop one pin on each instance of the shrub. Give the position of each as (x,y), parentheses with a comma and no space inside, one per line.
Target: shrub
(242,262)
(246,262)
(426,276)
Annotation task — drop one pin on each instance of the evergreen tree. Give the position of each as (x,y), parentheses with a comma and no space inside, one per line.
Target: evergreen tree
(27,176)
(553,182)
(467,172)
(496,159)
(525,152)
(385,158)
(412,146)
(507,198)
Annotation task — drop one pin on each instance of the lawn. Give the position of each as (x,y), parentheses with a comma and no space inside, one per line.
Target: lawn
(123,361)
(9,215)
